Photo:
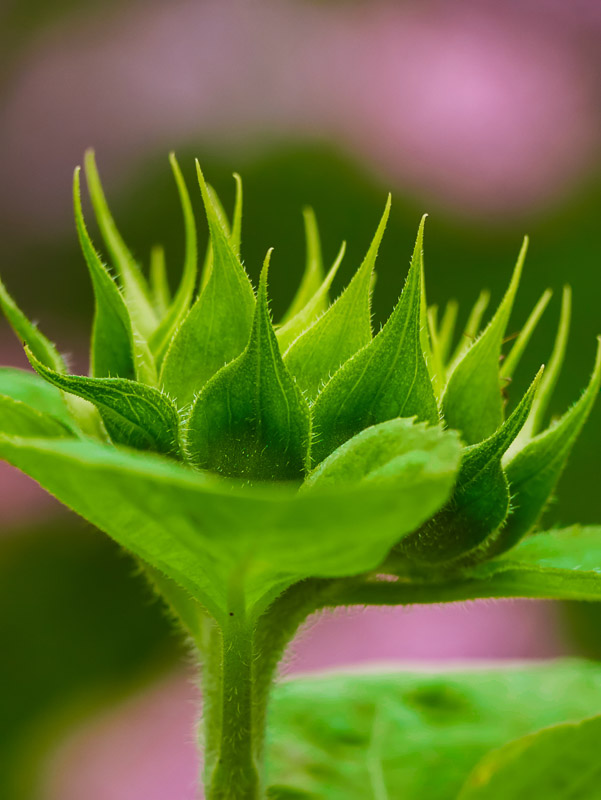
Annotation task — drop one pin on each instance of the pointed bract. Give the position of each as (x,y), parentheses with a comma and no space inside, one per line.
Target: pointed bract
(251,420)
(535,470)
(472,402)
(339,333)
(135,288)
(384,380)
(217,326)
(310,312)
(480,502)
(178,309)
(314,272)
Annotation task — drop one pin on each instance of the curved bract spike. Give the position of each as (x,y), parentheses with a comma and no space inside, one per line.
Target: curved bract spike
(29,334)
(480,502)
(386,379)
(236,233)
(339,333)
(112,337)
(472,328)
(427,334)
(314,271)
(446,329)
(218,325)
(534,471)
(510,364)
(311,311)
(223,220)
(472,402)
(178,309)
(159,285)
(534,423)
(251,420)
(135,289)
(118,350)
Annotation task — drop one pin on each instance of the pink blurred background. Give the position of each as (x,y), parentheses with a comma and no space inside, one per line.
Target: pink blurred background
(479,108)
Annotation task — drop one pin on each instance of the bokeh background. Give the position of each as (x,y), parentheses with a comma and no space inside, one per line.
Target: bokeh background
(484,114)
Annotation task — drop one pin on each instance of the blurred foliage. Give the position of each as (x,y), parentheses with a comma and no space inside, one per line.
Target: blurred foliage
(414,736)
(87,631)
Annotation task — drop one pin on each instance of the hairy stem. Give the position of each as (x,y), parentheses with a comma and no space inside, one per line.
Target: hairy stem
(232,772)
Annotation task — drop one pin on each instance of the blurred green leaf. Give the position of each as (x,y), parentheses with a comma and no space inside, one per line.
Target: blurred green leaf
(415,736)
(388,378)
(19,419)
(554,764)
(33,390)
(29,334)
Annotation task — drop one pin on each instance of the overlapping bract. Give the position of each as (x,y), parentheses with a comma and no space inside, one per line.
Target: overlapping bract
(205,378)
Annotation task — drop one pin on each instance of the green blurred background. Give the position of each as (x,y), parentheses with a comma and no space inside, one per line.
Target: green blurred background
(487,118)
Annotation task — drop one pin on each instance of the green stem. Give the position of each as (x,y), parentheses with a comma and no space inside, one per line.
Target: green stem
(232,772)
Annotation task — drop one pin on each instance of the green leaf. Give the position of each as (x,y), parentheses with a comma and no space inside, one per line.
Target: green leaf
(533,473)
(339,333)
(159,285)
(314,272)
(398,450)
(555,764)
(135,288)
(134,414)
(28,333)
(310,312)
(251,420)
(112,350)
(218,325)
(19,419)
(510,364)
(29,388)
(178,309)
(472,403)
(480,502)
(556,565)
(384,380)
(416,736)
(563,564)
(208,534)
